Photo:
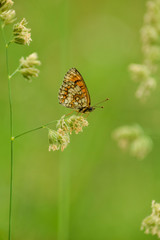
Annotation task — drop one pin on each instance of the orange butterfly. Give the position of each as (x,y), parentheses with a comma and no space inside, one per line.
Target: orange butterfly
(74,93)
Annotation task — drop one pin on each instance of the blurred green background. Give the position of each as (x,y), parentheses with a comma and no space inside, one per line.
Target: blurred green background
(111,192)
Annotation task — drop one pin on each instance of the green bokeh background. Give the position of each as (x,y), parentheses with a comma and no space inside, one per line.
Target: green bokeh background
(111,192)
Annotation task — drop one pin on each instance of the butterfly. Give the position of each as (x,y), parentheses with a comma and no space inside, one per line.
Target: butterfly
(74,93)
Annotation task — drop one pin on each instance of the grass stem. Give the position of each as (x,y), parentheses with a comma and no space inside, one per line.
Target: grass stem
(11,134)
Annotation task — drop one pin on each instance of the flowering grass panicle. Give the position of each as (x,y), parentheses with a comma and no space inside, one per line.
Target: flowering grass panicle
(22,34)
(145,73)
(141,146)
(139,72)
(62,124)
(5,5)
(28,66)
(76,123)
(8,17)
(61,138)
(151,224)
(145,88)
(57,140)
(133,139)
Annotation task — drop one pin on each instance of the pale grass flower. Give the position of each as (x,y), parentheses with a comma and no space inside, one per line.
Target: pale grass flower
(8,17)
(153,56)
(22,34)
(28,73)
(145,73)
(62,124)
(5,5)
(149,34)
(30,61)
(133,139)
(151,224)
(57,140)
(76,123)
(139,72)
(61,138)
(145,88)
(28,66)
(141,147)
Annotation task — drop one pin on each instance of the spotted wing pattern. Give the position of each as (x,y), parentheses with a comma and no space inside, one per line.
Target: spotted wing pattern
(74,93)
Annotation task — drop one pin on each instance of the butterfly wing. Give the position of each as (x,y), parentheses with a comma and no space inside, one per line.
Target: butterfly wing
(74,93)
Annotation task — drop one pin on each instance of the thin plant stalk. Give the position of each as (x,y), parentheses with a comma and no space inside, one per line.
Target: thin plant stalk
(12,138)
(34,129)
(11,134)
(64,167)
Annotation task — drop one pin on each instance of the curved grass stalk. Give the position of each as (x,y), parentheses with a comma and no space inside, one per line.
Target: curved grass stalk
(35,129)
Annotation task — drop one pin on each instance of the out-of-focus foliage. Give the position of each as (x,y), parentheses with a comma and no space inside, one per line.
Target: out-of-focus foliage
(133,139)
(145,73)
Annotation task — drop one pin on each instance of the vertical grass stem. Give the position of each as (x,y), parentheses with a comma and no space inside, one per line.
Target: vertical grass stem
(11,133)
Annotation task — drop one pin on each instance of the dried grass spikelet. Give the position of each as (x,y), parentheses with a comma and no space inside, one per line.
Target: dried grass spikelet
(22,34)
(5,5)
(61,138)
(8,17)
(151,224)
(133,139)
(145,73)
(28,66)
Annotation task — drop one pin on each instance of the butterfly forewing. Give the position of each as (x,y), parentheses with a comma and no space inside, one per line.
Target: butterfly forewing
(74,93)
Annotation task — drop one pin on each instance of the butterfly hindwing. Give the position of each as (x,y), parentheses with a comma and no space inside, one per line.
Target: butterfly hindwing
(73,93)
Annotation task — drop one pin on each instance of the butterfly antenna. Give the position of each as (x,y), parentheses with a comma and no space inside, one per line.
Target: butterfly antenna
(100,103)
(98,106)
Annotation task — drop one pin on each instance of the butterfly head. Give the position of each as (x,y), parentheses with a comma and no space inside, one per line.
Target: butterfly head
(86,109)
(91,109)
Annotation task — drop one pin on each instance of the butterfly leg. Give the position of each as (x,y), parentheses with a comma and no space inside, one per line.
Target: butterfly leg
(69,113)
(87,115)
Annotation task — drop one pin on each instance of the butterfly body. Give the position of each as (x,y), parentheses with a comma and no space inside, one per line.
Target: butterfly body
(74,93)
(86,110)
